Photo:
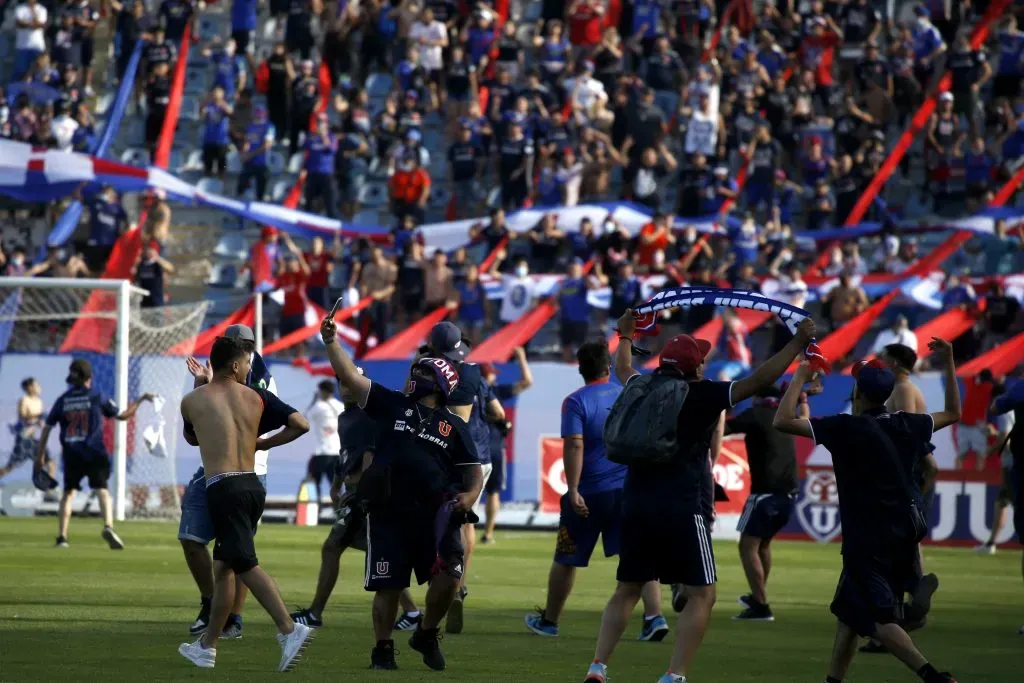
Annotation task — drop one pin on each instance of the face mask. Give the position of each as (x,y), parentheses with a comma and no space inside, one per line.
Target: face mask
(420,387)
(522,271)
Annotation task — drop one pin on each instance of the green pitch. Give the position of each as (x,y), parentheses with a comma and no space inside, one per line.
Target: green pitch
(89,614)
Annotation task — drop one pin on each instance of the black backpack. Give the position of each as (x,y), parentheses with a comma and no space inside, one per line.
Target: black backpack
(641,427)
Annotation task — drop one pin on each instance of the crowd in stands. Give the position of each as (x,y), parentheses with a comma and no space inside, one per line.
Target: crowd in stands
(778,124)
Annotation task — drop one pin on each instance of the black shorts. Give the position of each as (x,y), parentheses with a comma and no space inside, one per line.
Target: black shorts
(764,514)
(77,468)
(244,41)
(573,334)
(577,536)
(496,482)
(397,546)
(661,543)
(322,467)
(870,590)
(154,124)
(87,52)
(236,505)
(349,530)
(215,159)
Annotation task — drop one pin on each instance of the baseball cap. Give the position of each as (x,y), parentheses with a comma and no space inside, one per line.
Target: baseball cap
(874,381)
(446,339)
(443,371)
(241,332)
(684,353)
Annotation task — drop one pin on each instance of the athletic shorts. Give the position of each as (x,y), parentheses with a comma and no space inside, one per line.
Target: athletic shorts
(573,333)
(76,468)
(663,544)
(245,41)
(398,546)
(971,438)
(764,514)
(195,524)
(236,505)
(349,529)
(496,482)
(24,451)
(870,591)
(322,466)
(577,536)
(486,474)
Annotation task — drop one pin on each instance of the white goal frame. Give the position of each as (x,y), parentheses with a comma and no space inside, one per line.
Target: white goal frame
(123,289)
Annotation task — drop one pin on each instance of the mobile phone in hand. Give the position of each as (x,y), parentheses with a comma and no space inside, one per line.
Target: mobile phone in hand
(336,307)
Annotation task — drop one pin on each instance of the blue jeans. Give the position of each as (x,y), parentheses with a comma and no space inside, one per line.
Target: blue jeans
(195,524)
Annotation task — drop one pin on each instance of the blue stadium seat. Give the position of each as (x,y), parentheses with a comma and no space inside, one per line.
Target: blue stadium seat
(232,245)
(193,162)
(234,163)
(279,190)
(135,156)
(373,194)
(439,197)
(189,108)
(224,276)
(211,24)
(275,163)
(195,81)
(367,217)
(378,85)
(211,185)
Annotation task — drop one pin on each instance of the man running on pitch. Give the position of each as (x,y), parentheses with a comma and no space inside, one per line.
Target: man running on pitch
(195,530)
(224,418)
(357,434)
(874,453)
(80,411)
(592,506)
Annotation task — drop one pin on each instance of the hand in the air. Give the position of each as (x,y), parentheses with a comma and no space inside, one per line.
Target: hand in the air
(941,347)
(806,330)
(328,330)
(203,372)
(626,323)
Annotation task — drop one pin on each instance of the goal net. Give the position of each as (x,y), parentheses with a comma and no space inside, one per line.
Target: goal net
(45,323)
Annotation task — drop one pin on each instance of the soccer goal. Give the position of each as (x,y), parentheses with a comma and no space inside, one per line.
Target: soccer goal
(46,322)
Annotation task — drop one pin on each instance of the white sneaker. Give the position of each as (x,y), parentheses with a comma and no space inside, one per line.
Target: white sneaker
(203,657)
(672,678)
(597,673)
(985,549)
(292,646)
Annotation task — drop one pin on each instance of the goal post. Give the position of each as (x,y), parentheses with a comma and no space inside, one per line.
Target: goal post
(128,345)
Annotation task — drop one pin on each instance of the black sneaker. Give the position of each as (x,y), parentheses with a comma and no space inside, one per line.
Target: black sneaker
(947,677)
(921,601)
(755,613)
(306,618)
(873,647)
(746,600)
(62,542)
(456,613)
(678,597)
(427,643)
(199,625)
(407,622)
(383,656)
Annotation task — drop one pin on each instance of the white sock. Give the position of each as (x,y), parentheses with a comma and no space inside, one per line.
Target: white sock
(648,617)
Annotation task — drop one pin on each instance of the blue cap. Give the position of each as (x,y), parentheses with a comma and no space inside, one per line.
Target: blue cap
(874,380)
(445,339)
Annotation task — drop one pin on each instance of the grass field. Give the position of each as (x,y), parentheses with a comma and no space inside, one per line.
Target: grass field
(87,613)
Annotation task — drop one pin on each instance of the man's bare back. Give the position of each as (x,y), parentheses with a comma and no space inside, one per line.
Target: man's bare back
(906,397)
(225,418)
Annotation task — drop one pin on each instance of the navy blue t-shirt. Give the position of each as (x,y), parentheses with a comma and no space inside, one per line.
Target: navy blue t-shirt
(584,412)
(358,434)
(468,388)
(478,427)
(80,412)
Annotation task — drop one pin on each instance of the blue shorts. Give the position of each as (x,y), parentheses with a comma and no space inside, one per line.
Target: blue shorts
(577,536)
(195,524)
(870,590)
(764,514)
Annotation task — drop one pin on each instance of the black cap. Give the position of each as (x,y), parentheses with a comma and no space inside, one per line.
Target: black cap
(243,332)
(82,368)
(446,339)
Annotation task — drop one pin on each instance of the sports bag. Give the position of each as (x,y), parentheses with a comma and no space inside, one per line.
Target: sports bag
(641,427)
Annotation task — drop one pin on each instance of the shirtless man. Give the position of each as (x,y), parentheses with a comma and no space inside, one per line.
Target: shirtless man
(908,398)
(26,431)
(225,418)
(847,301)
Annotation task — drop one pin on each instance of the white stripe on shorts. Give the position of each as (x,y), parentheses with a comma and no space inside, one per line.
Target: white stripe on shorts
(707,560)
(366,577)
(748,509)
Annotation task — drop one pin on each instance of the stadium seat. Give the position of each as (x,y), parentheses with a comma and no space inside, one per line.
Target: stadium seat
(195,81)
(189,108)
(135,156)
(367,217)
(275,162)
(378,85)
(211,24)
(232,245)
(531,13)
(229,222)
(295,163)
(234,163)
(223,276)
(211,185)
(279,190)
(439,197)
(193,162)
(373,194)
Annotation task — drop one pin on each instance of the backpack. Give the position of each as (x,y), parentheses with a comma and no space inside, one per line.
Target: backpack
(641,427)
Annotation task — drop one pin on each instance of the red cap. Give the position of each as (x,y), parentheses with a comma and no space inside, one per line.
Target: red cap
(268,231)
(685,353)
(154,245)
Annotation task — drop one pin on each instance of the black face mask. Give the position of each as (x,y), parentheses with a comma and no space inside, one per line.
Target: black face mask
(421,386)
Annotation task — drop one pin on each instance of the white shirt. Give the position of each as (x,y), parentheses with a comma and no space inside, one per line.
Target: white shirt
(589,92)
(702,134)
(30,38)
(793,292)
(430,55)
(64,128)
(323,423)
(571,178)
(887,336)
(517,298)
(260,465)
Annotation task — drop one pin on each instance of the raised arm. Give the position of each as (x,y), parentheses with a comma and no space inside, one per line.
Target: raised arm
(626,326)
(950,414)
(297,426)
(343,367)
(772,369)
(786,419)
(133,408)
(524,369)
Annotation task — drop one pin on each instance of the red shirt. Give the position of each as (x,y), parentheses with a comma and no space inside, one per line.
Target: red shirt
(817,53)
(318,269)
(294,287)
(977,398)
(585,26)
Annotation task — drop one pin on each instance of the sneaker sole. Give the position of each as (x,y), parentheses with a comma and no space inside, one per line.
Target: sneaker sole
(201,665)
(536,630)
(655,637)
(291,663)
(113,540)
(456,613)
(761,619)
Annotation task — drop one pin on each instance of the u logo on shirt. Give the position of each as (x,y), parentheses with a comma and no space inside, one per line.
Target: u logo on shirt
(444,428)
